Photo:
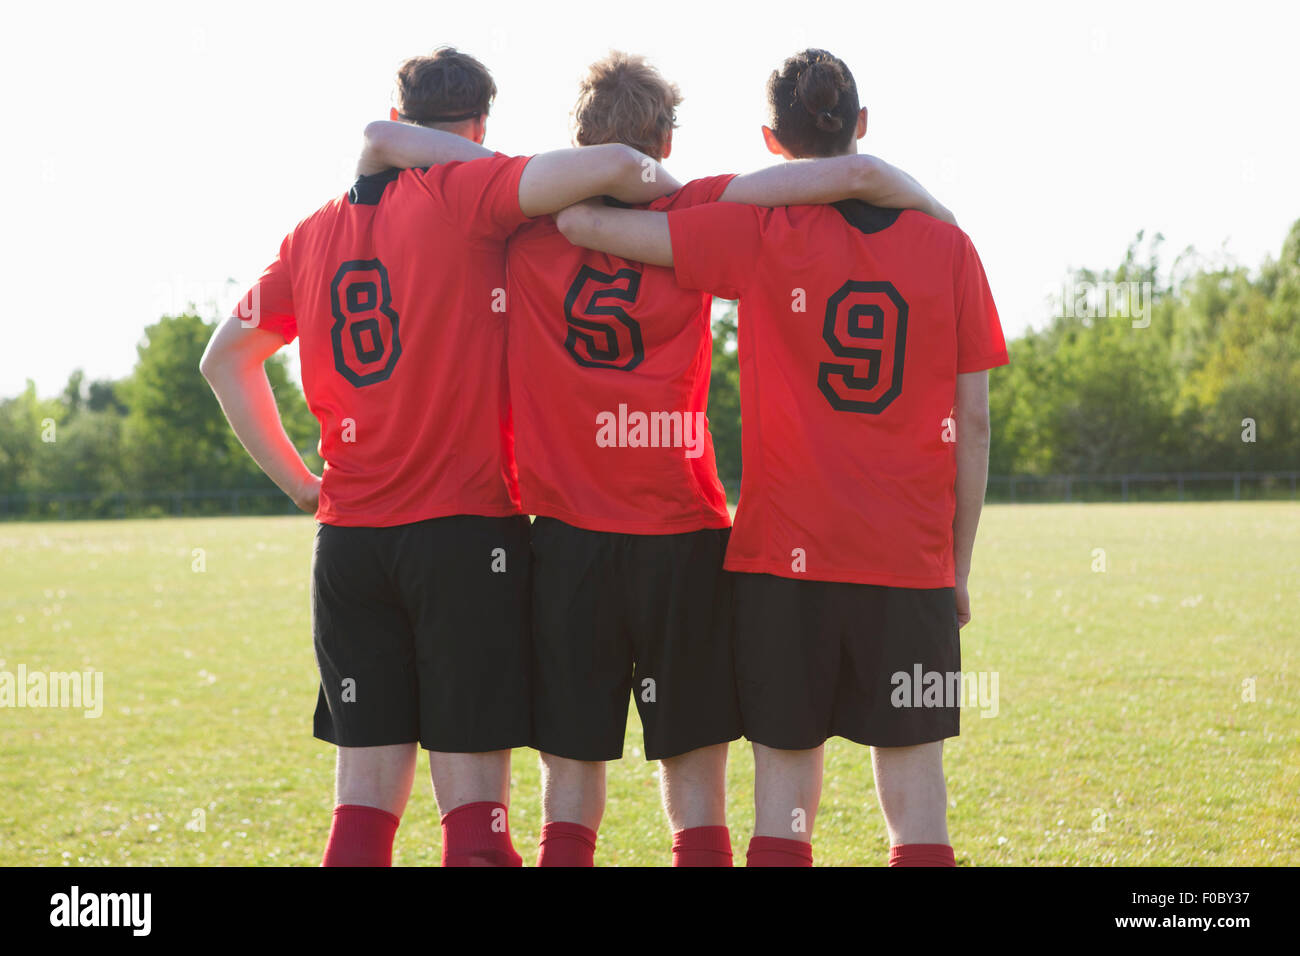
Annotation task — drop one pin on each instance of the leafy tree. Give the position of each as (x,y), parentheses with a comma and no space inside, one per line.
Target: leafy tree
(176,436)
(86,459)
(724,399)
(1082,395)
(25,423)
(101,396)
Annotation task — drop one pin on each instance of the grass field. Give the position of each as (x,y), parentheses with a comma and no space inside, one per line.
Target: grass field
(1123,733)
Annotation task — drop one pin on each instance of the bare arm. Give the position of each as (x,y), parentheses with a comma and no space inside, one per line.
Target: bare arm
(972,419)
(233,366)
(628,233)
(560,178)
(549,182)
(391,145)
(809,181)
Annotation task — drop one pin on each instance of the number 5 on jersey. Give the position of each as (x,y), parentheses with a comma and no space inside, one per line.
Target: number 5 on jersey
(601,334)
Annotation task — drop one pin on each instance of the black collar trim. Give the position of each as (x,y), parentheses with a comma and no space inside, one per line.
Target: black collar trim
(367,190)
(865,217)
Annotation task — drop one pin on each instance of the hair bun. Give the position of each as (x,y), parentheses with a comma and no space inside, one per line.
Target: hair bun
(814,103)
(818,90)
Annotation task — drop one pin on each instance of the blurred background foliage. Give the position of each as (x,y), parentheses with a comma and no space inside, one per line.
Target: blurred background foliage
(1083,394)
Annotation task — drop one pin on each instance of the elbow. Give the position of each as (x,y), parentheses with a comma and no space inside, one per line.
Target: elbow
(216,361)
(574,223)
(973,425)
(374,152)
(376,133)
(975,431)
(627,168)
(866,175)
(941,212)
(209,364)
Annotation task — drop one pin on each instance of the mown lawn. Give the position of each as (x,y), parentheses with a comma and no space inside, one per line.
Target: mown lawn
(1123,735)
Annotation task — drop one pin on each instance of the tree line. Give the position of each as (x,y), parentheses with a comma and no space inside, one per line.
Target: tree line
(1199,371)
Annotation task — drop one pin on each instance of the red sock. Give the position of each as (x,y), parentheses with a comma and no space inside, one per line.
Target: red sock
(360,836)
(566,844)
(478,834)
(702,846)
(778,851)
(922,854)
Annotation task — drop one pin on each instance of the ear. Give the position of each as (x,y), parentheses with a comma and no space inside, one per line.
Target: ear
(480,129)
(667,149)
(862,123)
(392,114)
(773,144)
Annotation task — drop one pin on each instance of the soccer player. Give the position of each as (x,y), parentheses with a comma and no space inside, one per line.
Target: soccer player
(421,567)
(865,339)
(609,374)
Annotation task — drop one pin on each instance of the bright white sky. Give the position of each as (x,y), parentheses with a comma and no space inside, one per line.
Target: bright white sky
(156,151)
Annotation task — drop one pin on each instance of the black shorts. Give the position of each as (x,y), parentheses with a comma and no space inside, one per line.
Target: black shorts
(422,633)
(646,614)
(819,659)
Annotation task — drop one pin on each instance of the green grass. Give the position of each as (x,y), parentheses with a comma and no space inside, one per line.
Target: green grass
(1121,700)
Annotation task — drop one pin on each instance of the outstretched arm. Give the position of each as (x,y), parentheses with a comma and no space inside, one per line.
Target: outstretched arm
(233,366)
(549,182)
(390,145)
(628,233)
(811,181)
(715,247)
(552,181)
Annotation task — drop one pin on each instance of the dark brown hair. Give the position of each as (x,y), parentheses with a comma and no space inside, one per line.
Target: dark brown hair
(623,99)
(446,87)
(813,102)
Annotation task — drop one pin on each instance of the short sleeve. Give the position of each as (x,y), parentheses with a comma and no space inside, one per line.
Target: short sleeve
(980,343)
(269,303)
(697,191)
(481,195)
(716,246)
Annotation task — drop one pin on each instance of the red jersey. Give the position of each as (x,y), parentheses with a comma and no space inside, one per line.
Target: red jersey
(397,293)
(854,323)
(609,382)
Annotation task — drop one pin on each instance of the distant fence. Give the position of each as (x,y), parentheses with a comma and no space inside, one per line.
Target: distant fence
(1137,486)
(145,504)
(1149,486)
(1155,486)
